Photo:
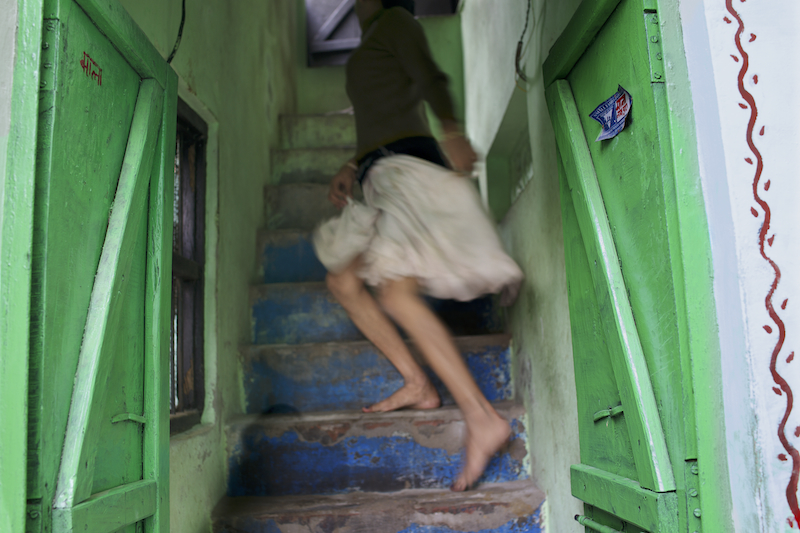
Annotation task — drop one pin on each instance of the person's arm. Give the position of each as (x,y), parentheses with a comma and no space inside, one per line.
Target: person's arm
(342,184)
(457,147)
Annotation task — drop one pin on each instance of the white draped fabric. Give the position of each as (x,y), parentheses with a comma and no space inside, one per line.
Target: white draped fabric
(420,221)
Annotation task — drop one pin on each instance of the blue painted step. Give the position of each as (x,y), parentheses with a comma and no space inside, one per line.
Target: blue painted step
(278,455)
(513,507)
(294,313)
(287,256)
(349,375)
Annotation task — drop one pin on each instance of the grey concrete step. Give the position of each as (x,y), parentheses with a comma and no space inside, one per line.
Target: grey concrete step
(336,376)
(513,507)
(325,453)
(317,131)
(309,165)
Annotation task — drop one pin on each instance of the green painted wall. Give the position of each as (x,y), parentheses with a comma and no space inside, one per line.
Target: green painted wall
(543,368)
(20,28)
(12,393)
(236,63)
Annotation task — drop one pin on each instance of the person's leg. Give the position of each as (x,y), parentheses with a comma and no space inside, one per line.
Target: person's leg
(417,391)
(486,430)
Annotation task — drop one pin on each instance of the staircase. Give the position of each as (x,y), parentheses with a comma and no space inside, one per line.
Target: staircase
(304,458)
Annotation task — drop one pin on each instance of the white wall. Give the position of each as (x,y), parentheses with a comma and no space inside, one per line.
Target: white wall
(753,276)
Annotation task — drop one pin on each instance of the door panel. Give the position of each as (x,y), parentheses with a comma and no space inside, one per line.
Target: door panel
(629,170)
(621,270)
(638,408)
(98,390)
(606,444)
(76,184)
(110,322)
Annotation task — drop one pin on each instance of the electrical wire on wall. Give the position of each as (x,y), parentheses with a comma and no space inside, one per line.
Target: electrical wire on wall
(520,74)
(180,33)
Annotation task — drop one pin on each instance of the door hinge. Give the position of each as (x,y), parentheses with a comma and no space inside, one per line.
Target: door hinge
(692,476)
(654,50)
(47,74)
(33,516)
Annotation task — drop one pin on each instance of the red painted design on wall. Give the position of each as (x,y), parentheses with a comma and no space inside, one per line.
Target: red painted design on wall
(91,69)
(780,381)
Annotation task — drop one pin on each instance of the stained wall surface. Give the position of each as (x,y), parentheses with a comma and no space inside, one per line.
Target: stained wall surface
(543,370)
(12,395)
(236,63)
(745,100)
(8,35)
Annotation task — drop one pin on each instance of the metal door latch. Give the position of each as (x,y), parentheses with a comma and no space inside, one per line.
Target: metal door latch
(128,416)
(587,522)
(610,412)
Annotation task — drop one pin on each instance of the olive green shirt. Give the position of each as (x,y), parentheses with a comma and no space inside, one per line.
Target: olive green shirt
(388,77)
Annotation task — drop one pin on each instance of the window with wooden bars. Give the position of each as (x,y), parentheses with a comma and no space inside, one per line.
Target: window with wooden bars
(188,257)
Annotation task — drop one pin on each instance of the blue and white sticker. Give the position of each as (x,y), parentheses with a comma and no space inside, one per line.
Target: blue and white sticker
(612,113)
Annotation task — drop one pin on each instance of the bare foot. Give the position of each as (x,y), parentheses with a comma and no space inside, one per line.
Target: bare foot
(484,439)
(410,395)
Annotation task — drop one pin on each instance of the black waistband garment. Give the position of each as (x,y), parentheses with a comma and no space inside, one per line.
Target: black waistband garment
(423,147)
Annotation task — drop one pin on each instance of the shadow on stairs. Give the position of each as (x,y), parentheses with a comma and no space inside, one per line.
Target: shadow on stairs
(304,458)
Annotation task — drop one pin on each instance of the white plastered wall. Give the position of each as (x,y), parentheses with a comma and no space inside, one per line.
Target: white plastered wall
(745,85)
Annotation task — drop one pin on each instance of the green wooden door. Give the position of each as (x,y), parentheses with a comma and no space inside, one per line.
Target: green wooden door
(98,445)
(637,440)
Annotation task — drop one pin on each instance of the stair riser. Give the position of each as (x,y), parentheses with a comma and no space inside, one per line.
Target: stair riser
(316,165)
(379,455)
(332,377)
(289,258)
(317,131)
(287,314)
(299,207)
(514,507)
(347,522)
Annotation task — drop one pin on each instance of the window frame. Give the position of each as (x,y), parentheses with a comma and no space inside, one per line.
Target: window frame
(187,353)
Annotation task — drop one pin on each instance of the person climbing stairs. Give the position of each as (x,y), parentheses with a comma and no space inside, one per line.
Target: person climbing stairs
(304,457)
